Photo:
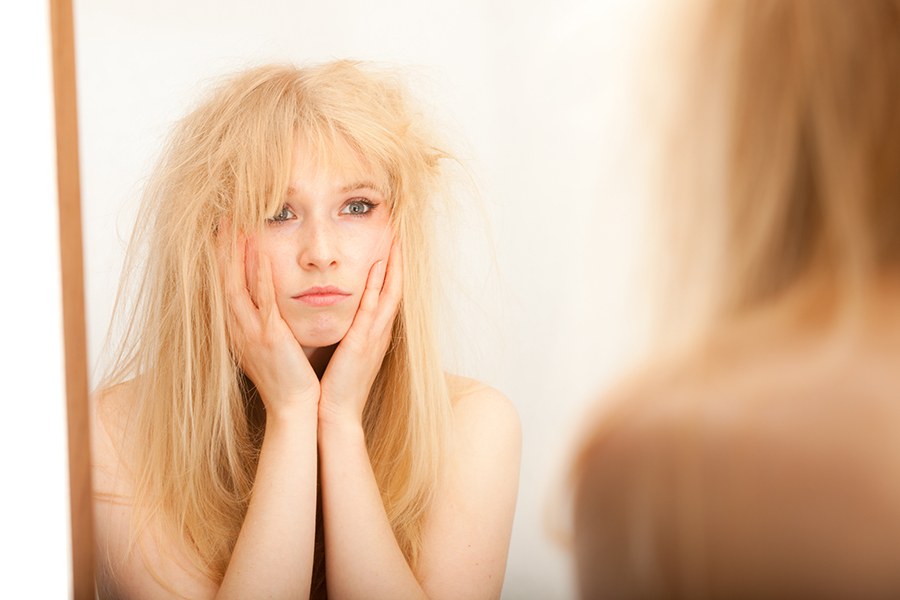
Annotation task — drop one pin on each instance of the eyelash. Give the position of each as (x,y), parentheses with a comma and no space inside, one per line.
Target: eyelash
(278,217)
(281,217)
(370,206)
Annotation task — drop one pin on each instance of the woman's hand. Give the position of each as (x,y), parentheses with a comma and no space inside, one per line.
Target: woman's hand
(260,339)
(358,357)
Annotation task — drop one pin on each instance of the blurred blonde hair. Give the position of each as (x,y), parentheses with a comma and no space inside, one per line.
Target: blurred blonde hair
(783,163)
(194,429)
(780,201)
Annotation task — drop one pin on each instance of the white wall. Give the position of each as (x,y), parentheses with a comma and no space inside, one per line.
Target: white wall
(34,535)
(542,92)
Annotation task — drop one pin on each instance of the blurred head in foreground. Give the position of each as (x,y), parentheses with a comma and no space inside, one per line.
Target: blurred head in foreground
(758,457)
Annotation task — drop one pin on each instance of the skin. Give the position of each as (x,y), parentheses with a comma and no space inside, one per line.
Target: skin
(283,343)
(763,466)
(333,228)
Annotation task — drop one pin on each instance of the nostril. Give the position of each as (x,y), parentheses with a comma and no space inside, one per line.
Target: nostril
(317,250)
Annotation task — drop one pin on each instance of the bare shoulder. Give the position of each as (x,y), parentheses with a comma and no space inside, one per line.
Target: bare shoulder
(113,487)
(467,538)
(483,413)
(109,417)
(638,461)
(130,563)
(468,395)
(742,449)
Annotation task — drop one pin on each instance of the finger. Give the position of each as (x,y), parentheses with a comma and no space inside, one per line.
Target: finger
(265,287)
(392,290)
(369,301)
(231,274)
(240,303)
(393,283)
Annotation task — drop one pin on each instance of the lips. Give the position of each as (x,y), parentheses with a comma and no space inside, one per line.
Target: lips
(322,295)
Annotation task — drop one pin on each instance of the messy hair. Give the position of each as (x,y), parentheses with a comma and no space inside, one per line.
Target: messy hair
(194,426)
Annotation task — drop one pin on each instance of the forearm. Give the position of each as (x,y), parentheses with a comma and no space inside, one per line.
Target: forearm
(363,560)
(274,551)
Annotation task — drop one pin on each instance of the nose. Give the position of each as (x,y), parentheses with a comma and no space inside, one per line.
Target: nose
(317,246)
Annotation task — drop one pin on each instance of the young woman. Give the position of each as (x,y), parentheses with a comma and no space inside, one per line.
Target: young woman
(278,423)
(759,458)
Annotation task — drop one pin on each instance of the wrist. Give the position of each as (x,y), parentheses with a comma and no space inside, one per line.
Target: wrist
(338,440)
(291,412)
(332,419)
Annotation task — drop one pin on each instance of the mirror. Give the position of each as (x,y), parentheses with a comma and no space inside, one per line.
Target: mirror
(541,102)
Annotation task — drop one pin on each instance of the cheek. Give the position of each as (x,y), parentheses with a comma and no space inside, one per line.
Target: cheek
(276,255)
(373,247)
(383,246)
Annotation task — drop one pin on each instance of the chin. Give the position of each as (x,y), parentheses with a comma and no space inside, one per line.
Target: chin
(322,339)
(319,342)
(321,330)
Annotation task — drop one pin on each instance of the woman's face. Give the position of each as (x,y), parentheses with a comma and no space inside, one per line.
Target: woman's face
(321,244)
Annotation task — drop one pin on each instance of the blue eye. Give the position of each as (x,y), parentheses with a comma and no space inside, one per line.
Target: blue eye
(358,207)
(284,214)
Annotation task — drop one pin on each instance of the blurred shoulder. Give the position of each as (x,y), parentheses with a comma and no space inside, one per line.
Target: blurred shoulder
(784,456)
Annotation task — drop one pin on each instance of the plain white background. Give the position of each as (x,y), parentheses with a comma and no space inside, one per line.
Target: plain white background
(34,536)
(539,99)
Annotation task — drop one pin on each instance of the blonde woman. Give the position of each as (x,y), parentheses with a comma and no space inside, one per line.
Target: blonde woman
(278,423)
(759,456)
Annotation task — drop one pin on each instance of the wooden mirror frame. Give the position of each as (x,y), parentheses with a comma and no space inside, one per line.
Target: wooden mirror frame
(71,266)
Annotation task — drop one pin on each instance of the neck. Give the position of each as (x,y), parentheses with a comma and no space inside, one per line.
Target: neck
(319,357)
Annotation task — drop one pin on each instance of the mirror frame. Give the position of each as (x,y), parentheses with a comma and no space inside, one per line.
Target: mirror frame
(71,266)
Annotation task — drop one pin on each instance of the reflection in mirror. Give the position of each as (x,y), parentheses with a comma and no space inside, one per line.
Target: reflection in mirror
(538,105)
(270,362)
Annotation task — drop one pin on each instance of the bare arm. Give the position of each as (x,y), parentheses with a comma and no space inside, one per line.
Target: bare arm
(275,543)
(273,554)
(467,539)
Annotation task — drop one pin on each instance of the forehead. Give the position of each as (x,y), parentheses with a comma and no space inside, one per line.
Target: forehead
(337,164)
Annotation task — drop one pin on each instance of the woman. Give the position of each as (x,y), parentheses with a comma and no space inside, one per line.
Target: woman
(278,423)
(758,457)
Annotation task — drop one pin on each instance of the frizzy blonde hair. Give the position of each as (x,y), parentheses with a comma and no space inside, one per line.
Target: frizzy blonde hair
(193,433)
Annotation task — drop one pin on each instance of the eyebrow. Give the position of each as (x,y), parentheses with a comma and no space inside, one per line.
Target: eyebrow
(350,187)
(359,185)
